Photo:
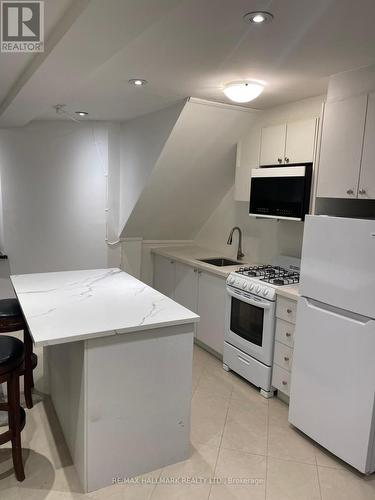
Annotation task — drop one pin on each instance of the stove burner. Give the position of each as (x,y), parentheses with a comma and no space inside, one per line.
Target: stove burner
(274,275)
(278,281)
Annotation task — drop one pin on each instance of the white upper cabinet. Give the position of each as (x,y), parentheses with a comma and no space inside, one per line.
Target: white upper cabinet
(272,147)
(292,142)
(300,141)
(247,158)
(341,148)
(366,187)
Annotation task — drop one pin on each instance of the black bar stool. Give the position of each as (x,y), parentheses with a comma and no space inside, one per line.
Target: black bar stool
(12,354)
(12,320)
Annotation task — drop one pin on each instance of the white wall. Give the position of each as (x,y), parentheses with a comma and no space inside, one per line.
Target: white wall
(142,141)
(193,172)
(54,195)
(349,83)
(263,239)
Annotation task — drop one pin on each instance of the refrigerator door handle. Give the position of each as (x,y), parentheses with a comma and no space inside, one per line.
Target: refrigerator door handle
(357,318)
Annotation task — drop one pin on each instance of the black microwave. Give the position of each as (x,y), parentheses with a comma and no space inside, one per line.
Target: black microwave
(281,192)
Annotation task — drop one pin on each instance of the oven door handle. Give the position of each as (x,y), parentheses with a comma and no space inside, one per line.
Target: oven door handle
(254,302)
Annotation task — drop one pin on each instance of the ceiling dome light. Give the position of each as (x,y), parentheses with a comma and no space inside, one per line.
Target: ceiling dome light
(81,113)
(243,91)
(138,82)
(258,17)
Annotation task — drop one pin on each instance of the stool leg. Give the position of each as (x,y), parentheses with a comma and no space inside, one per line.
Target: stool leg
(28,376)
(14,417)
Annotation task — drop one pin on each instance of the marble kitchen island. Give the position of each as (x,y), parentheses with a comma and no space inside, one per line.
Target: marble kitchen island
(119,366)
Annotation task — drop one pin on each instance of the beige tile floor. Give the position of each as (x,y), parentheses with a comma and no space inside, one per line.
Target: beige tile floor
(236,437)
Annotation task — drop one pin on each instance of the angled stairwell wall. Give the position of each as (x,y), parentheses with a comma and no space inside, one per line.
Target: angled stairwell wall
(141,142)
(172,195)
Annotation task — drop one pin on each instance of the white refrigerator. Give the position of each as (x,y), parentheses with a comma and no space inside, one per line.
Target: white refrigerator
(333,375)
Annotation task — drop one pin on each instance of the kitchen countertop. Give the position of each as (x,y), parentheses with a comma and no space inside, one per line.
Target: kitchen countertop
(190,255)
(77,305)
(289,291)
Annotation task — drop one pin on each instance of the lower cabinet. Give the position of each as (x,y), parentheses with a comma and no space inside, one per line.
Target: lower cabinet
(164,275)
(186,286)
(211,309)
(199,291)
(283,356)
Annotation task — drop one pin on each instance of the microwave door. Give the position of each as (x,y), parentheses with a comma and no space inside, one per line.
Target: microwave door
(281,193)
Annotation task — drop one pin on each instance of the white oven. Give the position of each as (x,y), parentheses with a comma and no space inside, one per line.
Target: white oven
(249,335)
(250,324)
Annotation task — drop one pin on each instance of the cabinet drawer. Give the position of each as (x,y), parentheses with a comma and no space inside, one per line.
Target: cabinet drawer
(283,356)
(285,332)
(286,309)
(281,379)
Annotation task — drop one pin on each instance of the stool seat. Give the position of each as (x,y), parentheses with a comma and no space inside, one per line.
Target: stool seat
(10,308)
(12,320)
(11,353)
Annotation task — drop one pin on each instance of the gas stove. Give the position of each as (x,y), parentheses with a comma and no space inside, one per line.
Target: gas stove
(263,280)
(275,275)
(251,316)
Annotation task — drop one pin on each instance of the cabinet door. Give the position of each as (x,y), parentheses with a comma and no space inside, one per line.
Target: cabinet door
(366,188)
(211,309)
(272,146)
(300,141)
(164,275)
(186,286)
(341,148)
(247,158)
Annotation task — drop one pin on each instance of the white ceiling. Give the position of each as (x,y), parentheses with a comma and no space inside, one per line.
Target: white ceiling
(13,65)
(187,48)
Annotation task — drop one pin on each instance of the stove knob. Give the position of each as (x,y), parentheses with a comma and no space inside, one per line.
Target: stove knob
(231,280)
(265,292)
(244,285)
(251,286)
(257,289)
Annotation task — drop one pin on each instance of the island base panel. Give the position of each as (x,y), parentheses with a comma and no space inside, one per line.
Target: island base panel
(129,397)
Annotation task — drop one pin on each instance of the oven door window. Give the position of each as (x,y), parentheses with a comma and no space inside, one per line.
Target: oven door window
(246,321)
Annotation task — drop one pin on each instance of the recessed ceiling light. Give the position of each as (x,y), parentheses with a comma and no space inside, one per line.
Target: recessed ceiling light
(258,17)
(137,81)
(81,113)
(244,91)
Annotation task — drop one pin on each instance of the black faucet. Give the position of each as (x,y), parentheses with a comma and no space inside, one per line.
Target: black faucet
(230,239)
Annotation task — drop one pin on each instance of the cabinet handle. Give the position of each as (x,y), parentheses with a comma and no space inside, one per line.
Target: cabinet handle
(284,382)
(286,160)
(286,358)
(288,334)
(350,191)
(199,272)
(362,191)
(289,311)
(280,160)
(171,261)
(195,270)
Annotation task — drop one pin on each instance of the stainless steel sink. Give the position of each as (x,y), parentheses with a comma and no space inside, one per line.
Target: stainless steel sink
(220,261)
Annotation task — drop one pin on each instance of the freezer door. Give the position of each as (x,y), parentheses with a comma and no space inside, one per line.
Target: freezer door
(333,381)
(338,263)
